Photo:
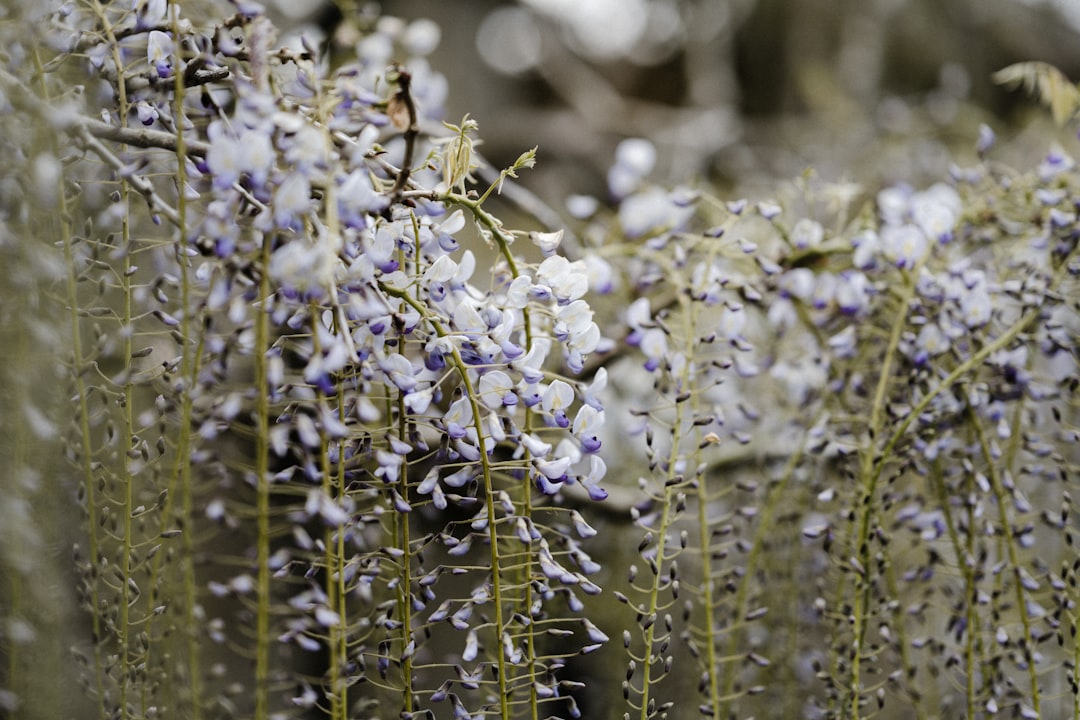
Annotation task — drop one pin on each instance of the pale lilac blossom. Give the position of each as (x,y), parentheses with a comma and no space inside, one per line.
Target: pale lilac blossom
(634,159)
(931,342)
(904,245)
(867,246)
(159,53)
(807,234)
(292,200)
(568,280)
(496,390)
(548,242)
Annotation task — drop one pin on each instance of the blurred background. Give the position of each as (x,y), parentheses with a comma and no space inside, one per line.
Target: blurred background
(735,93)
(739,92)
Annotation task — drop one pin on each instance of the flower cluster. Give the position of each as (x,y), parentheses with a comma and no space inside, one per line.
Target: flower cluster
(809,456)
(893,374)
(407,407)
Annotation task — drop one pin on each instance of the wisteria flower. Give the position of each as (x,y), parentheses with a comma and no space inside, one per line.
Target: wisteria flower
(634,159)
(159,53)
(568,280)
(231,156)
(304,266)
(904,245)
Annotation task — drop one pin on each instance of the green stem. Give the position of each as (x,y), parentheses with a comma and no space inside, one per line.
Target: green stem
(502,238)
(965,559)
(1004,340)
(125,627)
(331,560)
(672,484)
(489,495)
(765,525)
(1002,500)
(86,449)
(340,648)
(869,479)
(335,559)
(262,487)
(404,543)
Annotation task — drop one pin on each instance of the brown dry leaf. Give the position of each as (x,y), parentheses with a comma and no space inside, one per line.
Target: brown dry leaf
(1045,82)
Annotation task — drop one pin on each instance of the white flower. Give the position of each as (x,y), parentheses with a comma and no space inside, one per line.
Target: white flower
(256,155)
(495,388)
(932,340)
(453,223)
(303,266)
(536,446)
(442,270)
(637,155)
(159,50)
(467,319)
(591,396)
(807,233)
(517,295)
(935,211)
(418,401)
(567,280)
(654,344)
(587,424)
(582,207)
(530,365)
(894,204)
(732,321)
(553,469)
(585,341)
(905,245)
(852,292)
(798,283)
(291,199)
(458,417)
(548,242)
(638,315)
(577,316)
(866,248)
(399,371)
(651,209)
(558,396)
(421,37)
(976,307)
(306,149)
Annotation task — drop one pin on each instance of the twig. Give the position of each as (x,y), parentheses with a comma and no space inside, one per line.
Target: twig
(143,186)
(402,112)
(529,202)
(136,137)
(74,124)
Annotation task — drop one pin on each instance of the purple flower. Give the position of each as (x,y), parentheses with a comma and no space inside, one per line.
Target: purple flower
(148,113)
(159,50)
(587,424)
